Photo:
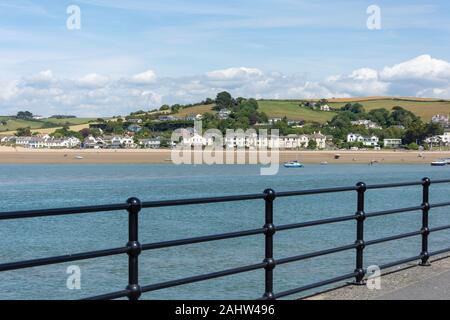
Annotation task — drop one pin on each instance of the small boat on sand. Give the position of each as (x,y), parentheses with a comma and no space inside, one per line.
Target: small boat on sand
(293,164)
(79,157)
(439,163)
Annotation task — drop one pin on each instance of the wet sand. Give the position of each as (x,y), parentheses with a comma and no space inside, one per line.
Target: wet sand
(23,156)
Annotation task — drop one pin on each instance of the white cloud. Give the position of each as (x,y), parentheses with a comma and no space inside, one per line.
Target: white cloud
(423,67)
(100,95)
(234,74)
(146,77)
(93,80)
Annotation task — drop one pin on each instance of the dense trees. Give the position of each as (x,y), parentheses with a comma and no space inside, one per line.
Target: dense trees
(224,100)
(23,132)
(24,115)
(66,132)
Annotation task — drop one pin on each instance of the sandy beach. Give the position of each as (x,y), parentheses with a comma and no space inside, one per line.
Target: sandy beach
(10,155)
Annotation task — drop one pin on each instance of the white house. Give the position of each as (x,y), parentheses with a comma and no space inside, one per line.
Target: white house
(274,120)
(224,114)
(150,143)
(7,139)
(371,141)
(441,119)
(440,140)
(368,124)
(122,142)
(392,143)
(194,117)
(93,143)
(320,139)
(325,107)
(134,128)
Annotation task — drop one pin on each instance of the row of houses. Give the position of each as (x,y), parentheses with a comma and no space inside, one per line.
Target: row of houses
(120,142)
(40,142)
(293,141)
(190,117)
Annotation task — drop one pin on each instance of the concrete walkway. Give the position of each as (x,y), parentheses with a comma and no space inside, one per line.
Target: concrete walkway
(407,282)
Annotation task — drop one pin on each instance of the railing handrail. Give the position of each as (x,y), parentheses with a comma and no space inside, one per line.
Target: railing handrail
(134,248)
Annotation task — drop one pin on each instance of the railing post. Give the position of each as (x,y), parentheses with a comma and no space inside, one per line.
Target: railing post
(360,217)
(134,249)
(426,182)
(269,197)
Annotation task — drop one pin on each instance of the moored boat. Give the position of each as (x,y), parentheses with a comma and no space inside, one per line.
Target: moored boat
(293,164)
(439,163)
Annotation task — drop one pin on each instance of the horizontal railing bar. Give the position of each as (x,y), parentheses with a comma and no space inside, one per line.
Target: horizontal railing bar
(184,202)
(396,237)
(174,283)
(62,211)
(314,254)
(440,181)
(110,296)
(394,185)
(314,191)
(439,228)
(61,259)
(442,204)
(399,262)
(435,253)
(181,242)
(315,285)
(388,212)
(314,223)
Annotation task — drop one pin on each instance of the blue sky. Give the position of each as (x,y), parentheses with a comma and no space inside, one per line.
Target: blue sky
(143,53)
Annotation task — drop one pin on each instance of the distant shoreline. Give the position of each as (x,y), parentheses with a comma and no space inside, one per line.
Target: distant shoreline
(10,155)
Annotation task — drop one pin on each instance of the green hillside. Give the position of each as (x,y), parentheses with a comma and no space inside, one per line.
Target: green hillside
(291,109)
(424,108)
(13,123)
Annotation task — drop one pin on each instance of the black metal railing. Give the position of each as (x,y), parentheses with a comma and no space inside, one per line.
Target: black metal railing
(134,248)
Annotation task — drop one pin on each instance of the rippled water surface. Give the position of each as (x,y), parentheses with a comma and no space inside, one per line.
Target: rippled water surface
(24,187)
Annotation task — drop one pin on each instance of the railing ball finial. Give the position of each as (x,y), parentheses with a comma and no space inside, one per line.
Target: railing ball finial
(135,205)
(361,187)
(134,291)
(426,181)
(269,194)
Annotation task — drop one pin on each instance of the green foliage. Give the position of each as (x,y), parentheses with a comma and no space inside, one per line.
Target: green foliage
(400,116)
(23,132)
(353,108)
(224,100)
(65,132)
(24,115)
(412,146)
(312,145)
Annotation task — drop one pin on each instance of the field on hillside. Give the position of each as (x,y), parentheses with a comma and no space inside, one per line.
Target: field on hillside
(13,124)
(201,109)
(425,109)
(292,110)
(273,109)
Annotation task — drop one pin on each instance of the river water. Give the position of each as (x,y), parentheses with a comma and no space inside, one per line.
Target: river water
(24,187)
